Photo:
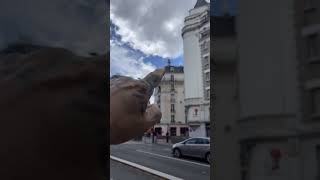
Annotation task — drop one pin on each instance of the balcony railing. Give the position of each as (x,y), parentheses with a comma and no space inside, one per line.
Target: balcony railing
(206,66)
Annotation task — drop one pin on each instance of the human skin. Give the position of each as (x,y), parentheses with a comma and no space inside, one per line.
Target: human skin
(53,115)
(54,120)
(130,114)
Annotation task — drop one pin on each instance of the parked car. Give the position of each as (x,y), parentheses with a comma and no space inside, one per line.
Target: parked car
(195,147)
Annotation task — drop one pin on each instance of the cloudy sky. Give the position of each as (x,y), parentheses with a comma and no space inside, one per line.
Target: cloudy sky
(77,25)
(145,33)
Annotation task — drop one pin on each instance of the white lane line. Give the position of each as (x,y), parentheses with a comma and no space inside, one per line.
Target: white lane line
(200,164)
(167,149)
(143,168)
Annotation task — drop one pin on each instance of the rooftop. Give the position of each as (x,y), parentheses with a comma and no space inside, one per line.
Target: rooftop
(174,69)
(201,3)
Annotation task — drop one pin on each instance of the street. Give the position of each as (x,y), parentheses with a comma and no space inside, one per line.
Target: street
(156,157)
(120,171)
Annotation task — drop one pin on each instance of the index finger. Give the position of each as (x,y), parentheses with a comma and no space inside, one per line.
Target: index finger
(153,79)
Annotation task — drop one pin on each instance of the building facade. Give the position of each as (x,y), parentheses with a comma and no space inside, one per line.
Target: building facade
(225,100)
(169,96)
(196,45)
(267,92)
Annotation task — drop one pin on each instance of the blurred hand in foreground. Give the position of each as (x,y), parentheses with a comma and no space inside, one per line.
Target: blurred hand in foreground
(53,111)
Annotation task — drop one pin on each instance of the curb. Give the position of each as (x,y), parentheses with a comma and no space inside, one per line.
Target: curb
(145,169)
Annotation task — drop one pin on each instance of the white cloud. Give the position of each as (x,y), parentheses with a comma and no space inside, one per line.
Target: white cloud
(123,63)
(151,26)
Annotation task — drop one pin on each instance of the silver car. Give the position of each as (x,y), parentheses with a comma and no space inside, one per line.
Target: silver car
(195,147)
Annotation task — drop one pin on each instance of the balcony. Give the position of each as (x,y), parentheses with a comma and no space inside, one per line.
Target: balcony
(207,83)
(192,101)
(204,36)
(206,66)
(205,50)
(190,27)
(204,20)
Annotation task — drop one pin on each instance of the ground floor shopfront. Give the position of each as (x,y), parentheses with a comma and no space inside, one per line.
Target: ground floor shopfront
(199,129)
(172,129)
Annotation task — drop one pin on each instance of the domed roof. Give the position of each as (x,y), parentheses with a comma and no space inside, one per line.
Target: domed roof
(201,3)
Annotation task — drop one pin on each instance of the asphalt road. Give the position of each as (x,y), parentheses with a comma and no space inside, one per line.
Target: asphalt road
(157,157)
(119,171)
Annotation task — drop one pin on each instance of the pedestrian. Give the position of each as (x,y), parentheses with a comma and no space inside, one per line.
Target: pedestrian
(167,137)
(154,136)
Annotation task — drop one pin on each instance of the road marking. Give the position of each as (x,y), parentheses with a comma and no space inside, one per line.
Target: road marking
(200,164)
(143,168)
(166,149)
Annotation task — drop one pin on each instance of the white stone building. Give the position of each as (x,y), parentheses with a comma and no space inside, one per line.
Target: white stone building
(196,46)
(169,96)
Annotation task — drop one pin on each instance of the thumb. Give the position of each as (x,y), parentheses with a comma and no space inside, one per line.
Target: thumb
(152,116)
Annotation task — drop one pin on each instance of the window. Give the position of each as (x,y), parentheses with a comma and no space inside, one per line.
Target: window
(208,76)
(191,141)
(206,45)
(201,141)
(159,89)
(206,141)
(173,131)
(183,131)
(172,99)
(172,108)
(315,95)
(172,77)
(312,46)
(172,87)
(206,59)
(172,118)
(208,93)
(158,130)
(196,112)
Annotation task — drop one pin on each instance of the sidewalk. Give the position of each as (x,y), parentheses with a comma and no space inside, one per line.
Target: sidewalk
(163,142)
(148,140)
